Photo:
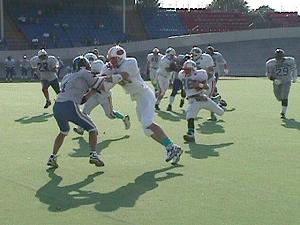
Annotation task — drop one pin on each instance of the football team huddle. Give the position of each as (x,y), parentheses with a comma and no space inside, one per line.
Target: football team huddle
(194,74)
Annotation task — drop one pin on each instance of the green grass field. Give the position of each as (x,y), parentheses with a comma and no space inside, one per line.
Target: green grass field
(243,169)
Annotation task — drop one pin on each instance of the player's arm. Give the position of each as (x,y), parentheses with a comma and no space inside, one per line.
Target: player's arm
(201,85)
(148,67)
(294,72)
(269,72)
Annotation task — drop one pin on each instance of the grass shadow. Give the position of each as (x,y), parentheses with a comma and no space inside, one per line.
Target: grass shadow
(201,151)
(291,124)
(84,148)
(35,119)
(62,198)
(211,127)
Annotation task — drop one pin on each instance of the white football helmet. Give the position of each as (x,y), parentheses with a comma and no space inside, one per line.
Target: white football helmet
(42,54)
(91,57)
(189,66)
(155,51)
(170,52)
(196,53)
(96,66)
(116,55)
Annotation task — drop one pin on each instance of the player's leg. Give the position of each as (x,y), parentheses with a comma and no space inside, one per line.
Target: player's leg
(153,78)
(285,90)
(191,113)
(163,83)
(183,96)
(175,89)
(213,107)
(106,103)
(55,85)
(91,103)
(146,114)
(45,87)
(210,93)
(60,109)
(87,124)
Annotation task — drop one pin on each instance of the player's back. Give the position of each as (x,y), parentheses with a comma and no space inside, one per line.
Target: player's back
(75,85)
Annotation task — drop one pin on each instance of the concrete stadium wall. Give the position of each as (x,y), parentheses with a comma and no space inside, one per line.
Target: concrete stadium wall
(238,47)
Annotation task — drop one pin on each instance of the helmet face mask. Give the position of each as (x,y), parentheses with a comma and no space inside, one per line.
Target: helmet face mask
(116,56)
(42,54)
(196,53)
(91,57)
(279,55)
(170,53)
(81,62)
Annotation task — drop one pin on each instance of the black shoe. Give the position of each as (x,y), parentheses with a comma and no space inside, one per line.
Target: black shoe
(223,103)
(48,103)
(282,116)
(189,137)
(169,108)
(181,103)
(157,107)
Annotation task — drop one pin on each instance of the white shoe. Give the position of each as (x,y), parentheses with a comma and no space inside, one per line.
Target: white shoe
(95,159)
(174,154)
(126,122)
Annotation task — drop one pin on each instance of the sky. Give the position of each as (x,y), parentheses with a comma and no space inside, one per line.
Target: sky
(278,5)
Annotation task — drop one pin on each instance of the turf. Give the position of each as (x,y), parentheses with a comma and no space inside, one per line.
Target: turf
(243,169)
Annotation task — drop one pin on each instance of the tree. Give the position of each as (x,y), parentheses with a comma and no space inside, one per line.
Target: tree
(230,5)
(260,17)
(148,3)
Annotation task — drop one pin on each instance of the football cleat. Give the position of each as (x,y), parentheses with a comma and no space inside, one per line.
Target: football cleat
(174,153)
(157,107)
(95,159)
(181,103)
(189,137)
(47,104)
(282,116)
(169,108)
(78,130)
(126,122)
(52,161)
(223,103)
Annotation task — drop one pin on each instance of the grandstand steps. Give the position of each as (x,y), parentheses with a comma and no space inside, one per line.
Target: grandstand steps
(15,39)
(135,27)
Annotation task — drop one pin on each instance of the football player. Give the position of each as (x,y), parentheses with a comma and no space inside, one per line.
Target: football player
(282,70)
(167,66)
(142,94)
(153,60)
(195,84)
(220,67)
(46,67)
(103,98)
(74,91)
(177,85)
(205,61)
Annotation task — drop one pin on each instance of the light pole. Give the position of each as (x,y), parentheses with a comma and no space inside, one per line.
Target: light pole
(124,16)
(2,20)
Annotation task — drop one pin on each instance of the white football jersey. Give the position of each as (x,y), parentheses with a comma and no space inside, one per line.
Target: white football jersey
(284,71)
(164,63)
(188,81)
(137,85)
(204,61)
(46,68)
(154,60)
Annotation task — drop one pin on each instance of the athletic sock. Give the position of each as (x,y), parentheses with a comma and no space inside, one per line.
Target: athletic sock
(118,115)
(167,142)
